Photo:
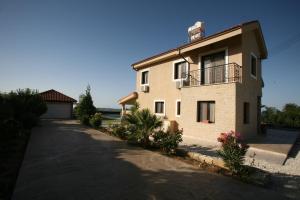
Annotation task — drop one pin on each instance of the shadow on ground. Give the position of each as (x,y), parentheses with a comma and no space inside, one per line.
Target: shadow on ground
(65,160)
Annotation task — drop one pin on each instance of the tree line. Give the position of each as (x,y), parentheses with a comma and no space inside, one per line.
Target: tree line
(288,117)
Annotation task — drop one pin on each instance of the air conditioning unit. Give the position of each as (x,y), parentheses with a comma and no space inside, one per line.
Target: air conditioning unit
(179,84)
(145,88)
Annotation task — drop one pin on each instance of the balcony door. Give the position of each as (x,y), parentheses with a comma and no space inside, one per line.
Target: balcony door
(213,68)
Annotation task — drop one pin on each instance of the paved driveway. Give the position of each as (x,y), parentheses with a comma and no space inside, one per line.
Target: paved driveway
(65,160)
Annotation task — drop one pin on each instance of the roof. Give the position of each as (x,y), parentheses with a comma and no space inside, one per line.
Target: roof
(129,98)
(55,96)
(204,39)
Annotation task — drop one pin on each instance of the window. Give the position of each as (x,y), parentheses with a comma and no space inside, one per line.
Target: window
(178,108)
(159,107)
(213,68)
(253,65)
(246,113)
(144,79)
(206,111)
(180,70)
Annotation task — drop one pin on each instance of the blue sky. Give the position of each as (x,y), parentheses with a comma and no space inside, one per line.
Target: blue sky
(66,45)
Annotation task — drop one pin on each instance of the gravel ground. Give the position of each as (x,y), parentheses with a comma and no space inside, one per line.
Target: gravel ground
(285,178)
(291,166)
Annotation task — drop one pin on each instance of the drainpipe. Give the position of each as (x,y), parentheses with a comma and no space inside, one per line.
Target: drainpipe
(179,53)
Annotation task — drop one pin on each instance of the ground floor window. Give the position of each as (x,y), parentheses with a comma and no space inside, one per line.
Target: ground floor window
(246,113)
(159,107)
(206,111)
(178,108)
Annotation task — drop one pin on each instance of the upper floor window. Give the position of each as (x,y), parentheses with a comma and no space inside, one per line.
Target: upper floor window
(213,68)
(159,107)
(180,70)
(144,78)
(206,111)
(253,65)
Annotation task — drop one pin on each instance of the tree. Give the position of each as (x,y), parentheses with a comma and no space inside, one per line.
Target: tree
(291,115)
(288,117)
(85,107)
(270,115)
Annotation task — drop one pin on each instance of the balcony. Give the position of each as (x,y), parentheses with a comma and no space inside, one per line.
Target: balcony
(220,74)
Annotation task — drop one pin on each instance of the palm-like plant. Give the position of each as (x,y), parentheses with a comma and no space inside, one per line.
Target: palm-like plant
(145,123)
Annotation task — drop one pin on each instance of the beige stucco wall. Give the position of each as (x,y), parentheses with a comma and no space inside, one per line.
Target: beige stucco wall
(162,87)
(251,87)
(228,98)
(224,97)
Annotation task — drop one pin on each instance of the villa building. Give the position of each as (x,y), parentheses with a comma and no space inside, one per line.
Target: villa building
(211,85)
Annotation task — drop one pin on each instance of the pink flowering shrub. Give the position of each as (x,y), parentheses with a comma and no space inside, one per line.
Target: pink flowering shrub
(233,151)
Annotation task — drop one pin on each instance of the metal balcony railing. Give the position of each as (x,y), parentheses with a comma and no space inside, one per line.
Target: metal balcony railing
(227,73)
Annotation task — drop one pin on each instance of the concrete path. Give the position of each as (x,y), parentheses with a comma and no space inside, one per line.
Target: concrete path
(65,160)
(274,146)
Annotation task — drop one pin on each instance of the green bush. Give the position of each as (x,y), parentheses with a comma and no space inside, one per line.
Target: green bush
(26,101)
(144,123)
(233,152)
(167,141)
(10,128)
(96,120)
(119,130)
(85,120)
(29,120)
(20,110)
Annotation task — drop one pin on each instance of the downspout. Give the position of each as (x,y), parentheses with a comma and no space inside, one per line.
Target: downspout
(179,53)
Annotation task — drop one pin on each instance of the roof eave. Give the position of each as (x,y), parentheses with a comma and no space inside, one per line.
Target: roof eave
(132,96)
(189,47)
(261,39)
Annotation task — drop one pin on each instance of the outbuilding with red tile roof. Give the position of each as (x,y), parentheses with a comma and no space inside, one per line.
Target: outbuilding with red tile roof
(60,106)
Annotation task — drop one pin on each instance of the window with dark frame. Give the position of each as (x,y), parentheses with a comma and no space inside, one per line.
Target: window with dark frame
(253,65)
(159,107)
(246,113)
(178,109)
(206,111)
(213,68)
(180,69)
(145,77)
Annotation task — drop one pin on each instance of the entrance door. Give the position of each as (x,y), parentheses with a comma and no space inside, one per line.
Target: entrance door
(213,68)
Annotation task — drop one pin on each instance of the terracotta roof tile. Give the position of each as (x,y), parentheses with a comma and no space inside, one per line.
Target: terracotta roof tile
(55,96)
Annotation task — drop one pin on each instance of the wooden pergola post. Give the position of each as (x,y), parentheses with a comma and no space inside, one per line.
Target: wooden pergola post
(123,109)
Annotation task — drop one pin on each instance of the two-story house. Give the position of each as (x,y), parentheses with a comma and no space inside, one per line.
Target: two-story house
(211,85)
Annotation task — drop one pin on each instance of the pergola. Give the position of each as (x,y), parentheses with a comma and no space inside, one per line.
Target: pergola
(128,100)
